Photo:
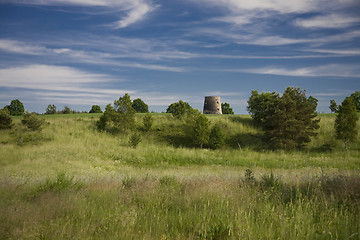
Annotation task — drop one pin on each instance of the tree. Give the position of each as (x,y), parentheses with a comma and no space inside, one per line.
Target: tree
(66,110)
(95,109)
(226,109)
(5,119)
(139,106)
(356,99)
(289,121)
(51,109)
(333,106)
(261,106)
(16,108)
(179,109)
(345,122)
(216,138)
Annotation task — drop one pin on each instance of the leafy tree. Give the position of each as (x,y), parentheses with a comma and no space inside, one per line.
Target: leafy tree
(51,109)
(217,137)
(345,122)
(179,109)
(105,118)
(66,110)
(5,119)
(226,109)
(16,108)
(95,109)
(148,122)
(288,121)
(32,122)
(261,106)
(356,99)
(134,140)
(139,106)
(333,106)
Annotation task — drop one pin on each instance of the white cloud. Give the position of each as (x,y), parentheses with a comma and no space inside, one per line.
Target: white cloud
(328,21)
(136,10)
(20,47)
(331,70)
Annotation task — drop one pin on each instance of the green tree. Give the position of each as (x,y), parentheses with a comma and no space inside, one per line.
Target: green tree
(5,119)
(345,122)
(356,99)
(261,106)
(66,110)
(226,109)
(148,122)
(105,118)
(95,109)
(16,108)
(217,137)
(289,121)
(51,109)
(140,106)
(134,140)
(124,117)
(333,106)
(179,109)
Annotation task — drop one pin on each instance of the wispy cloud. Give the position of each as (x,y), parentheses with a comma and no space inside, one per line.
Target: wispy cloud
(332,70)
(135,10)
(328,21)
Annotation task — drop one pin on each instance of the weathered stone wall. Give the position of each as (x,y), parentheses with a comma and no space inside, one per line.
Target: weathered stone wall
(212,105)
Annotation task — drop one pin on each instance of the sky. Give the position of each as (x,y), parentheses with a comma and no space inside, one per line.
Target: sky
(80,53)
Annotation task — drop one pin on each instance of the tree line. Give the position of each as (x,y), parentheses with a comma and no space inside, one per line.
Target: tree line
(288,121)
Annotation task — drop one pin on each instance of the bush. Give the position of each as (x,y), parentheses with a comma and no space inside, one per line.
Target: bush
(134,140)
(32,122)
(217,137)
(95,109)
(5,119)
(148,122)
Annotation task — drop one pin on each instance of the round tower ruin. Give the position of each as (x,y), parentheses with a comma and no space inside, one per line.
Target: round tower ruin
(212,105)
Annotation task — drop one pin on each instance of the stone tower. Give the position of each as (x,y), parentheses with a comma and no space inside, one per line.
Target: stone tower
(212,105)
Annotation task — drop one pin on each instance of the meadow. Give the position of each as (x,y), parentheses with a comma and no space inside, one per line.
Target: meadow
(71,181)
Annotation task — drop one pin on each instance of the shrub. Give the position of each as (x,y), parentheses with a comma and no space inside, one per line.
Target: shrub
(32,122)
(217,137)
(5,119)
(135,139)
(148,122)
(95,109)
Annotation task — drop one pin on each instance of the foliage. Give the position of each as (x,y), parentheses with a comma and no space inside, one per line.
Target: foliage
(95,109)
(66,110)
(148,121)
(198,128)
(5,119)
(179,109)
(261,106)
(51,109)
(135,139)
(32,122)
(345,123)
(356,99)
(226,109)
(140,106)
(333,106)
(16,108)
(217,137)
(288,121)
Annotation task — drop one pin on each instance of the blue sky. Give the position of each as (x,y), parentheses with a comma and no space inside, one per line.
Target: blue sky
(85,52)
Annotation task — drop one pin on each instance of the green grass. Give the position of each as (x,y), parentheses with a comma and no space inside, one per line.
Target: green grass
(70,181)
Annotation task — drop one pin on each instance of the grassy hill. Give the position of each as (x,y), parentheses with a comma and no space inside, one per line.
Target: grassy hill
(72,181)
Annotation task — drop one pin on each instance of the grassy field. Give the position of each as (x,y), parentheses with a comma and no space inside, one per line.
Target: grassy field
(70,181)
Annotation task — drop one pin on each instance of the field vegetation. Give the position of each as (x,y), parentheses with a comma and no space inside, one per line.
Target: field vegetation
(68,180)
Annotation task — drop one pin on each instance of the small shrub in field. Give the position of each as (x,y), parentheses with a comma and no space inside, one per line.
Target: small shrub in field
(135,139)
(249,177)
(148,122)
(32,122)
(127,182)
(5,120)
(216,139)
(168,180)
